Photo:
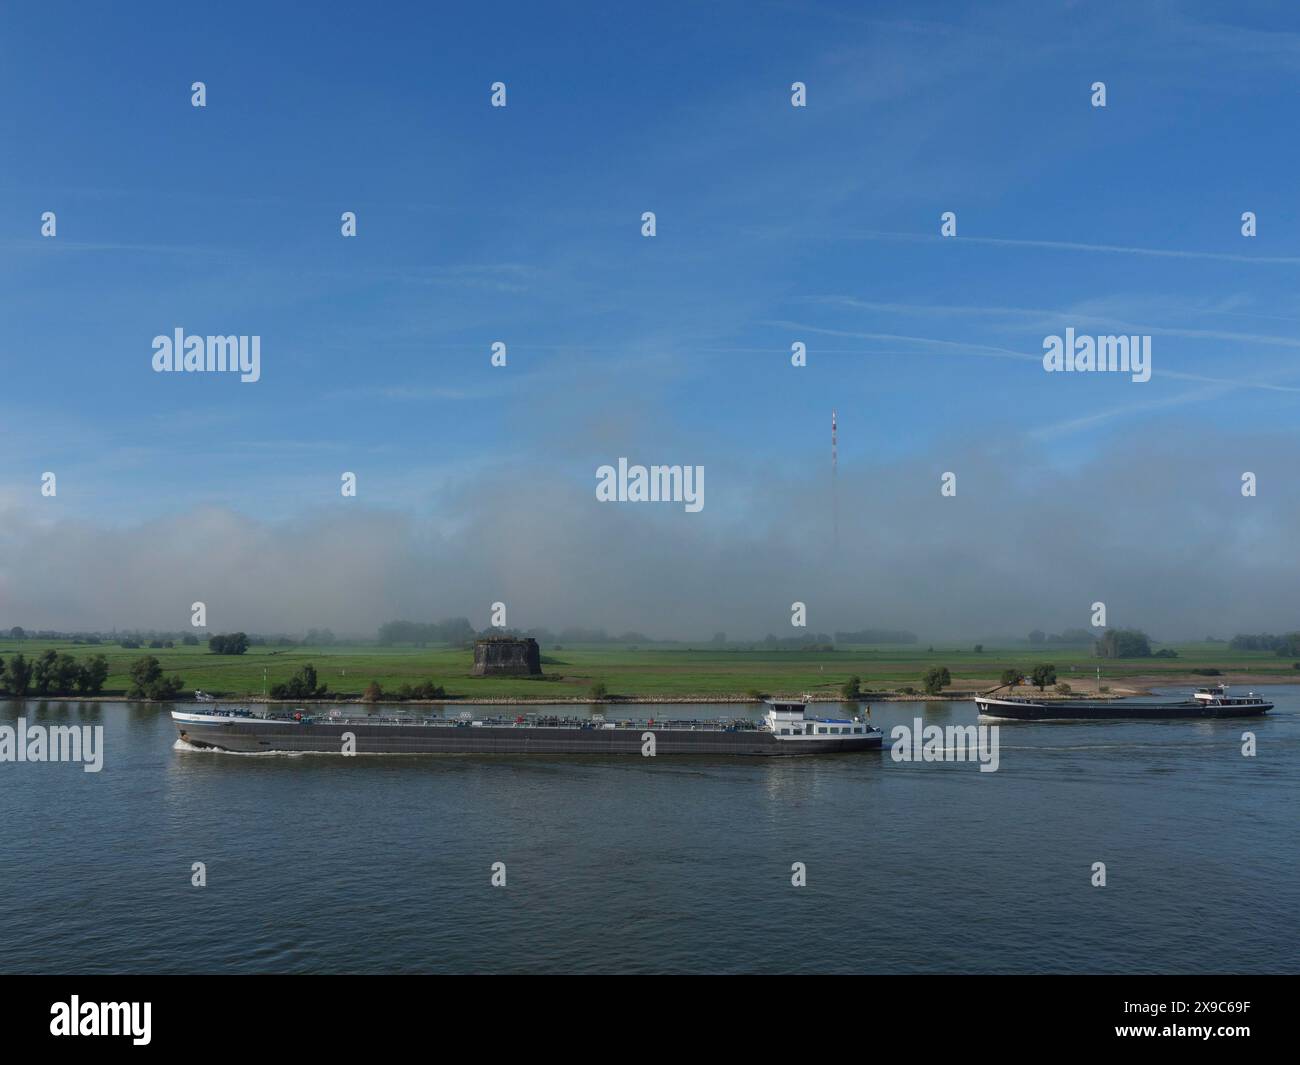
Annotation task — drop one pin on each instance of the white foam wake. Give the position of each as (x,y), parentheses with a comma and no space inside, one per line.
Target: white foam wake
(181,745)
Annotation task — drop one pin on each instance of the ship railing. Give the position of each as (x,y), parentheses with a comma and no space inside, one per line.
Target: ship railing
(540,721)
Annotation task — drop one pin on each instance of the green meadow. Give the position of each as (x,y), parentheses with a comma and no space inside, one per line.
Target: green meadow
(664,670)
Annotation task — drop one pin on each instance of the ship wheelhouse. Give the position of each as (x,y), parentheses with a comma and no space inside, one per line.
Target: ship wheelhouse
(1217,695)
(789,721)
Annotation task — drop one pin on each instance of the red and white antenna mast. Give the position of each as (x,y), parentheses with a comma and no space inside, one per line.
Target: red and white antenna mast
(835,492)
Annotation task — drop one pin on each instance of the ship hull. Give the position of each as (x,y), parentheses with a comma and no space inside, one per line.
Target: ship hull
(1083,711)
(249,736)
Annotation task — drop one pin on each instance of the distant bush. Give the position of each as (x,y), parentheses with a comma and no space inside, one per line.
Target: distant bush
(1287,645)
(936,679)
(757,696)
(453,631)
(876,636)
(234,643)
(302,685)
(598,690)
(1123,643)
(852,687)
(421,692)
(1063,689)
(373,692)
(1217,673)
(148,682)
(190,640)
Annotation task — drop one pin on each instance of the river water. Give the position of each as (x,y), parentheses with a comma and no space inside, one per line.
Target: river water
(384,864)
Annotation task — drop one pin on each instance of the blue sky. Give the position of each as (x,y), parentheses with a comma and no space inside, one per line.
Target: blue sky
(522,224)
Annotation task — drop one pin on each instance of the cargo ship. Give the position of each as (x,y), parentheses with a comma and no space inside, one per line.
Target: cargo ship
(785,729)
(1205,702)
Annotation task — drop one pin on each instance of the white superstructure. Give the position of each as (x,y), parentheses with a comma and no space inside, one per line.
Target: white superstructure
(789,721)
(1217,695)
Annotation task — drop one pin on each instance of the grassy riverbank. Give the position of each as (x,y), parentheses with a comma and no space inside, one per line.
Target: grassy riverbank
(667,671)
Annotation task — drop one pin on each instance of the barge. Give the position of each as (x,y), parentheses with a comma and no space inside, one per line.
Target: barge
(785,729)
(1206,702)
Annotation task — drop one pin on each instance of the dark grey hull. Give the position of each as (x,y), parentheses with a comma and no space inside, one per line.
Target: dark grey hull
(247,736)
(1066,710)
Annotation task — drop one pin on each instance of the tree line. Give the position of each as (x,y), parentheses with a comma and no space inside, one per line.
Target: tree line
(419,633)
(313,638)
(1287,645)
(232,643)
(425,691)
(1068,636)
(51,673)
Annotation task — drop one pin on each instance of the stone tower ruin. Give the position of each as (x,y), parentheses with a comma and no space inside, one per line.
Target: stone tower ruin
(507,656)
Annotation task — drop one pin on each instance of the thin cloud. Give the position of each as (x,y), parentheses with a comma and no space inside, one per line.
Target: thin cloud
(1075,315)
(1066,245)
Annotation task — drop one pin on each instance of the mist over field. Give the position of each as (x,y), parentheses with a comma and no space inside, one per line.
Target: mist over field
(1154,526)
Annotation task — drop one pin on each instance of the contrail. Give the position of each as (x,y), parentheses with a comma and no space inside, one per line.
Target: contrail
(1066,245)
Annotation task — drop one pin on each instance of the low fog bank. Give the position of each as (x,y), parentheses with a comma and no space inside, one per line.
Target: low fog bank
(1158,531)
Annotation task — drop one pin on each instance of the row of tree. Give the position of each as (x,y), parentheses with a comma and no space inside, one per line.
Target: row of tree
(1287,645)
(51,673)
(1123,643)
(453,631)
(1069,636)
(1040,676)
(54,674)
(153,638)
(425,691)
(932,680)
(876,636)
(306,684)
(458,631)
(302,685)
